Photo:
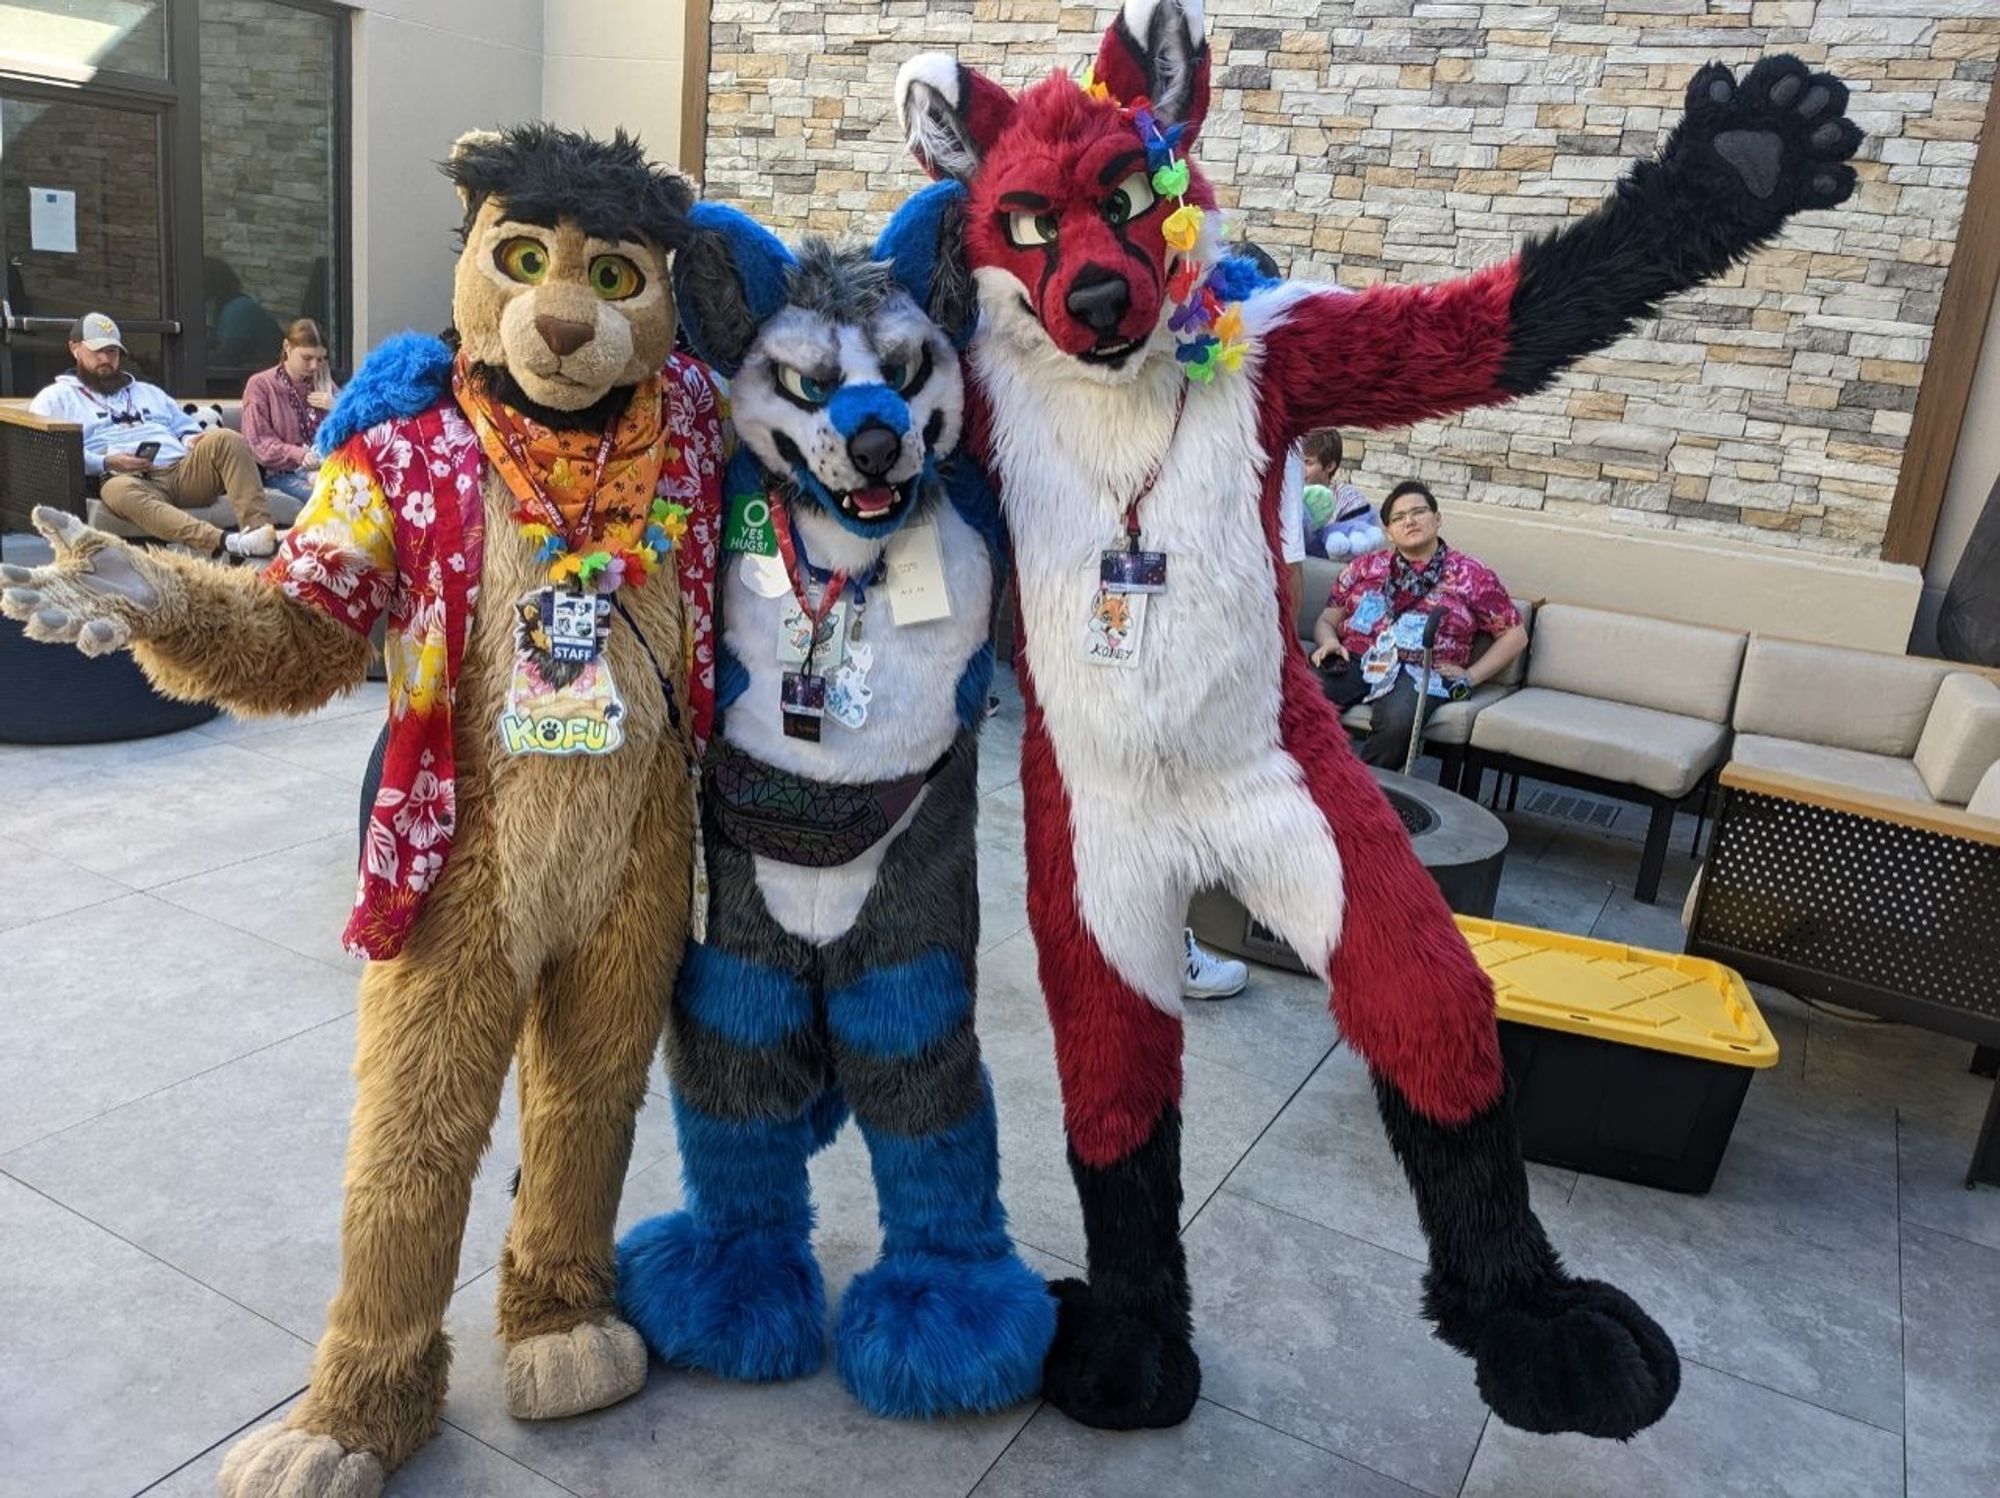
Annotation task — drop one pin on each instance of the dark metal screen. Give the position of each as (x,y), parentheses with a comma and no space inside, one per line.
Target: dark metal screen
(1839,905)
(38,468)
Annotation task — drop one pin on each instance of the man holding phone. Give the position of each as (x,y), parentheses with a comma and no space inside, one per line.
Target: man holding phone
(156,461)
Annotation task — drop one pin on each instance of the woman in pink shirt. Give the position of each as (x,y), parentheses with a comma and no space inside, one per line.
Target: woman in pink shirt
(283,407)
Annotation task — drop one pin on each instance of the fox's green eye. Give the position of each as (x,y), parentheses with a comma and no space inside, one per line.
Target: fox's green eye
(1132,197)
(1026,230)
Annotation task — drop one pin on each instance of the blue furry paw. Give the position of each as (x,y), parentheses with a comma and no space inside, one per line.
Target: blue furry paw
(747,1305)
(921,1335)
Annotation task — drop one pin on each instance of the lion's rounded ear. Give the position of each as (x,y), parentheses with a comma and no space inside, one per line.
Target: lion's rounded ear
(464,146)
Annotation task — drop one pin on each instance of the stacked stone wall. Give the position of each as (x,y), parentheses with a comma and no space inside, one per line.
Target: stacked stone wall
(1405,140)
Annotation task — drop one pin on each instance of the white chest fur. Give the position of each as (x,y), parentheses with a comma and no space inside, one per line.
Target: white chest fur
(1201,699)
(912,715)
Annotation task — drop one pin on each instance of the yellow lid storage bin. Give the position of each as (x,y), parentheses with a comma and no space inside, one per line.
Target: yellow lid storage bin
(1626,1062)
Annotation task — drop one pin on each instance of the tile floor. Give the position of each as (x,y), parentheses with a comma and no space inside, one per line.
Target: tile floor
(174,1097)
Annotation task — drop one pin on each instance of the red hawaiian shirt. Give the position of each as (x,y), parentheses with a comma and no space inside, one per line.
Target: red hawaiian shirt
(1372,591)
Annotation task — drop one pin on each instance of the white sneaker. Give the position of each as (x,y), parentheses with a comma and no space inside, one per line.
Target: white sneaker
(262,542)
(1206,976)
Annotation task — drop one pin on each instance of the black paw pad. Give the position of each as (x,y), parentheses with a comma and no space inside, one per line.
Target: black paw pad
(1757,155)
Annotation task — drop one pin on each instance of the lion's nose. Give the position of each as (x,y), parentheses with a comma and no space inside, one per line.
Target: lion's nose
(563,336)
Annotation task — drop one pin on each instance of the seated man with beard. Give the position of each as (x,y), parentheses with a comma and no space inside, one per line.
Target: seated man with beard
(156,461)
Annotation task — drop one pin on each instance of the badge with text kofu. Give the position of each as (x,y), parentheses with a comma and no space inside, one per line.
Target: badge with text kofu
(557,705)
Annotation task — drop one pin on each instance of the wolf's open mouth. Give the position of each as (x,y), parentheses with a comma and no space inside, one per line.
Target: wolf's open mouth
(869,504)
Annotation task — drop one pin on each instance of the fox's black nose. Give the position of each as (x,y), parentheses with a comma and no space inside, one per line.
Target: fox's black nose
(874,449)
(1099,299)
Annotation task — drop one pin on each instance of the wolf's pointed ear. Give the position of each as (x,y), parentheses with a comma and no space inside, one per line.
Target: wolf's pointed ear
(951,115)
(1158,49)
(925,246)
(729,280)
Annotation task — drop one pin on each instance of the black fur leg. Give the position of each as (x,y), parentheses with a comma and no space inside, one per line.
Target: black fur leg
(1747,155)
(1123,1357)
(1552,1353)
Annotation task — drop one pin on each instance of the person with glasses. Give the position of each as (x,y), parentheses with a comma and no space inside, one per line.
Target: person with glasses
(156,461)
(1369,639)
(283,407)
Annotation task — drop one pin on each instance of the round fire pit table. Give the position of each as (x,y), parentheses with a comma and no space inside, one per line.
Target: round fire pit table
(1460,842)
(55,694)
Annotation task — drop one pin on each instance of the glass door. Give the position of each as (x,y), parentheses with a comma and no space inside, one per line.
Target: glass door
(83,228)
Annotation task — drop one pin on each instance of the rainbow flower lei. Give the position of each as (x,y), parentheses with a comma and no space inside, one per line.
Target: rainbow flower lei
(631,555)
(1206,320)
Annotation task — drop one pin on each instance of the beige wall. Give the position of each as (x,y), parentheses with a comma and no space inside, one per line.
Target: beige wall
(1832,600)
(1364,139)
(608,63)
(426,71)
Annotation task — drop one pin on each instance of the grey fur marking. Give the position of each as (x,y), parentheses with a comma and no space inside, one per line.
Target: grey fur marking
(839,283)
(926,898)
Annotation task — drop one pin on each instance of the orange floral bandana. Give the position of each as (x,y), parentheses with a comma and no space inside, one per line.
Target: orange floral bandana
(541,463)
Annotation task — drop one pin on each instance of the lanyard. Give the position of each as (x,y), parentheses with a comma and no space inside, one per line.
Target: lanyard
(1153,478)
(307,413)
(781,523)
(551,511)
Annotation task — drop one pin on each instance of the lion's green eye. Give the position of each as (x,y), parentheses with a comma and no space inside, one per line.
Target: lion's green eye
(615,278)
(523,259)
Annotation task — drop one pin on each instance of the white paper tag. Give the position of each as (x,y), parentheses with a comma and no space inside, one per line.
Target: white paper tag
(1112,633)
(914,575)
(764,576)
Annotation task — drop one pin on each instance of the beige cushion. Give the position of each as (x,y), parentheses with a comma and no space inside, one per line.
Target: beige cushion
(1862,700)
(284,510)
(1883,774)
(1684,669)
(1961,737)
(1446,722)
(1317,581)
(1985,801)
(1666,753)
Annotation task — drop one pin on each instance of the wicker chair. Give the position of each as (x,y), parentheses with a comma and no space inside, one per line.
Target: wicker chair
(1881,904)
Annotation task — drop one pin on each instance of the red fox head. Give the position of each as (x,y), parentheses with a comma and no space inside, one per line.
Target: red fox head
(1067,230)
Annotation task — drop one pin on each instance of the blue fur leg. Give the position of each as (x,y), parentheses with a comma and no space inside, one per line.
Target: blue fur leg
(922,1335)
(950,1321)
(747,1305)
(730,1285)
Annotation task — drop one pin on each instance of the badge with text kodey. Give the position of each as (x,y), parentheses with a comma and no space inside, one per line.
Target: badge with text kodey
(1112,633)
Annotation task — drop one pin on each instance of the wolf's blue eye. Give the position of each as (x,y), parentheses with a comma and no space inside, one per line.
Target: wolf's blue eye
(804,386)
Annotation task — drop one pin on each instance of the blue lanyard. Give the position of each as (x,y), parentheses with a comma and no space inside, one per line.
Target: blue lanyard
(858,586)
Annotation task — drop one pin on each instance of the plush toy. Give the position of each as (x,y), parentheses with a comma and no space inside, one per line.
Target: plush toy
(207,414)
(1340,523)
(1142,391)
(526,871)
(837,971)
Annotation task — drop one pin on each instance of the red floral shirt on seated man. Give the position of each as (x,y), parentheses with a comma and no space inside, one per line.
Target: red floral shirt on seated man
(1374,590)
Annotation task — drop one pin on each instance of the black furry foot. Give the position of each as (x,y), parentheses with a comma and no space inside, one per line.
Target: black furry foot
(1113,1368)
(1776,141)
(1580,1356)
